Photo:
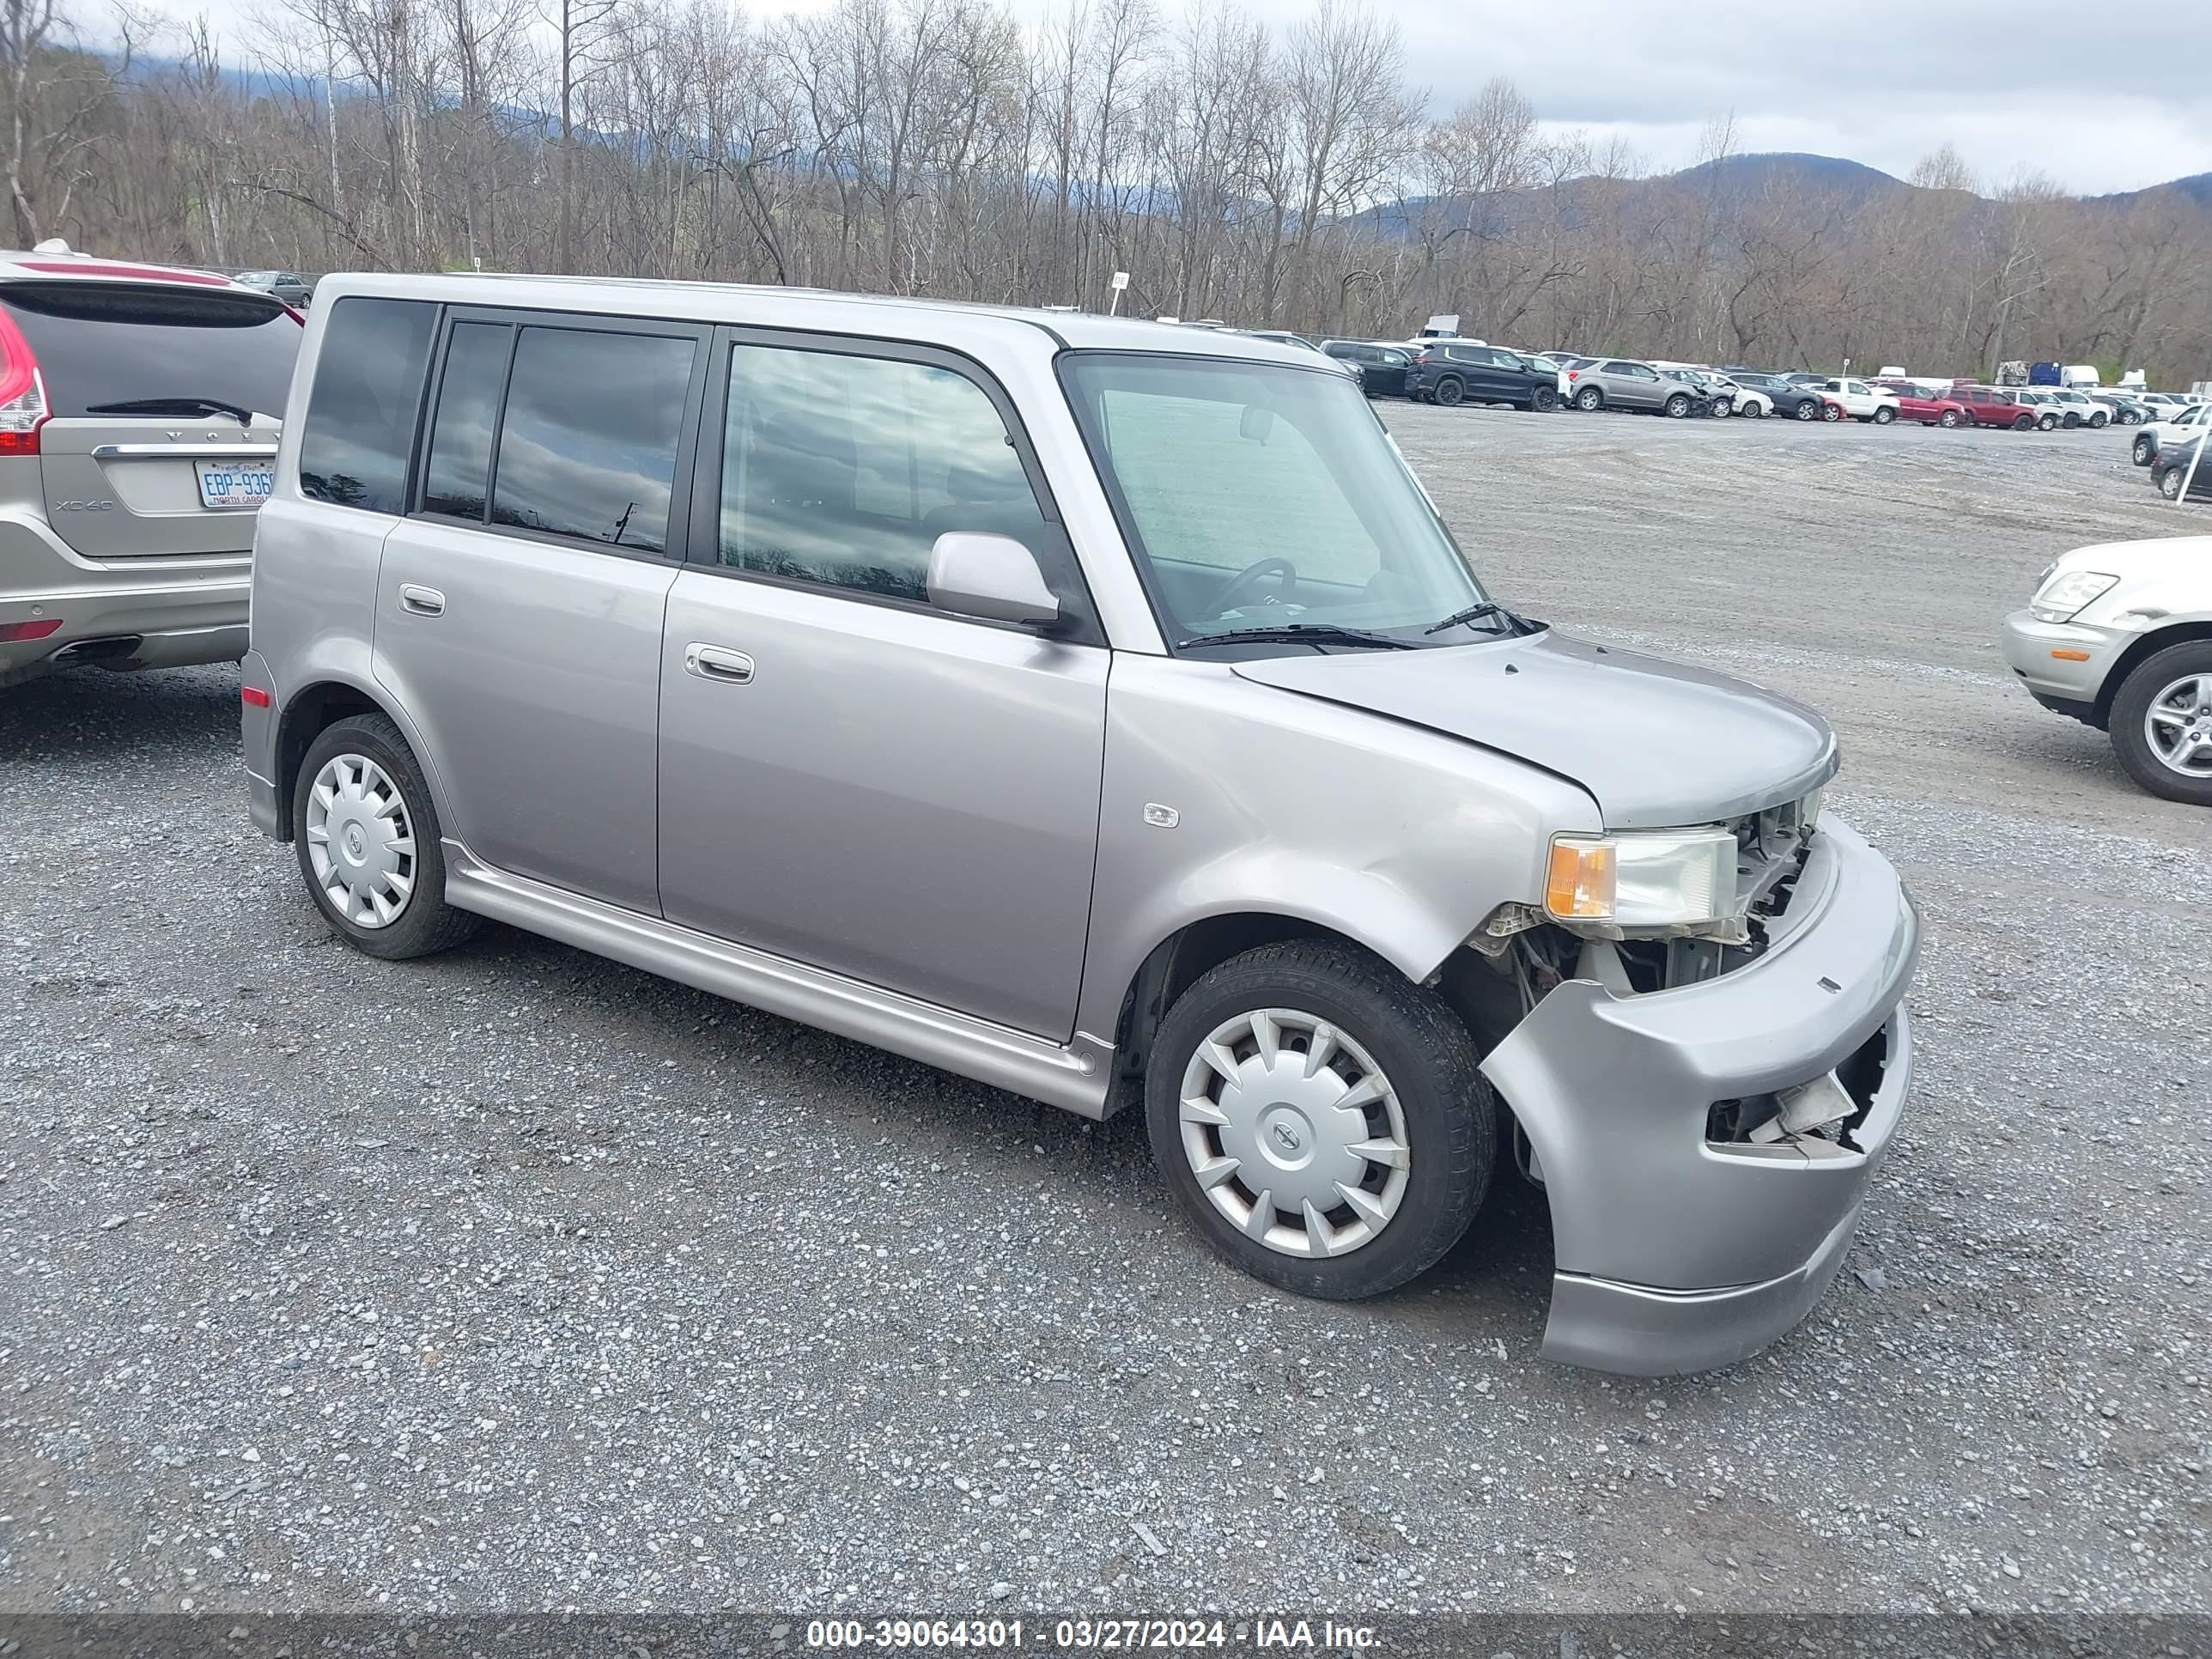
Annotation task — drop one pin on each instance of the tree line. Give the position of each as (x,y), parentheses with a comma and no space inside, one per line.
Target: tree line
(1292,179)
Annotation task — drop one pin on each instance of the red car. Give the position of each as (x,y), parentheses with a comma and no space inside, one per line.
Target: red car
(1991,405)
(1916,403)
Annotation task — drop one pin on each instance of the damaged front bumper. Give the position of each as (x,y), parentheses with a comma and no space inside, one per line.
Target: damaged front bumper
(1677,1251)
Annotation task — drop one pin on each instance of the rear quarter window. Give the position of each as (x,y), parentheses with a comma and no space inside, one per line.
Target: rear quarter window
(360,424)
(103,343)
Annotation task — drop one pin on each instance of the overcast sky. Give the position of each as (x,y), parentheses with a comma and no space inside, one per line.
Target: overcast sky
(2093,94)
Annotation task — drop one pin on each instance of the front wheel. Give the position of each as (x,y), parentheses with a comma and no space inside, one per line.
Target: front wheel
(2046,424)
(1808,409)
(2024,424)
(1949,417)
(2161,723)
(1589,398)
(1723,408)
(1753,411)
(2127,417)
(366,835)
(1678,405)
(1448,392)
(1884,415)
(1323,1121)
(2145,447)
(1544,400)
(2099,421)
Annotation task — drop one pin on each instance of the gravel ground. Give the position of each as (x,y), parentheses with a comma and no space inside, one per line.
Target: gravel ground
(516,1279)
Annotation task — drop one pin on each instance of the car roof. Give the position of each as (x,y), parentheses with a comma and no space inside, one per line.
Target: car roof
(36,265)
(953,322)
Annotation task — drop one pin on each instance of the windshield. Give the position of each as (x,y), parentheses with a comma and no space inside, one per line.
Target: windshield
(1260,497)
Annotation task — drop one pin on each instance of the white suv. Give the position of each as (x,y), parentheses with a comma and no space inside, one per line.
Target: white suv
(1861,401)
(2115,637)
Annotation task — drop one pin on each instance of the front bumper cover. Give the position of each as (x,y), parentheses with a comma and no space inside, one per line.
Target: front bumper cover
(2029,641)
(1673,1253)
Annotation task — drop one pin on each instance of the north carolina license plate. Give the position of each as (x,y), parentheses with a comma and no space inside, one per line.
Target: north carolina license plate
(230,484)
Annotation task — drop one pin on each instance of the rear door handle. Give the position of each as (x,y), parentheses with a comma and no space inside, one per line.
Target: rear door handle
(421,601)
(717,662)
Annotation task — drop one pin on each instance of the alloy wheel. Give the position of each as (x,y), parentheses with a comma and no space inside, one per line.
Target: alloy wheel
(360,840)
(2177,726)
(1294,1134)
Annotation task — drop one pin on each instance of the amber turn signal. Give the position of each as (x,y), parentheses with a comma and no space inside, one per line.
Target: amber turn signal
(1581,881)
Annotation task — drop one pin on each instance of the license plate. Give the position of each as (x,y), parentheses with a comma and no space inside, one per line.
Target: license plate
(229,485)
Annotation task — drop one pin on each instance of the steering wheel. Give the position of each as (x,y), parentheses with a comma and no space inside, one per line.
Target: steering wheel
(1232,592)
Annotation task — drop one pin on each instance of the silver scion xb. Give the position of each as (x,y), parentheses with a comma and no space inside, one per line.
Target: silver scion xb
(138,412)
(1097,709)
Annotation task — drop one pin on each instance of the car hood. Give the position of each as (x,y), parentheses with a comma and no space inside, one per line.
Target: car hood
(1655,744)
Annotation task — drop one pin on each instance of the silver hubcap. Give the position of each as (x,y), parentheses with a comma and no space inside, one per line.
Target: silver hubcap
(361,842)
(1294,1134)
(2177,726)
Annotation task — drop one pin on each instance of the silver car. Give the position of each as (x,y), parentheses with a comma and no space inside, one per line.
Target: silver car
(138,418)
(1101,711)
(1622,383)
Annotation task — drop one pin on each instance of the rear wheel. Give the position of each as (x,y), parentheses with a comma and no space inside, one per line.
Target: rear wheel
(1589,398)
(1449,391)
(366,835)
(1678,405)
(2170,482)
(2161,723)
(2099,419)
(1323,1121)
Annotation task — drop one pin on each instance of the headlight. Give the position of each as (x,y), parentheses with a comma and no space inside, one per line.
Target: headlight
(1665,879)
(2062,597)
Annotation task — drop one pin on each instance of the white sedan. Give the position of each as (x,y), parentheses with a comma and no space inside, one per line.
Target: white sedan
(2116,637)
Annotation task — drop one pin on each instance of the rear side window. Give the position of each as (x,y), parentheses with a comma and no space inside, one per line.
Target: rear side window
(103,348)
(587,446)
(458,476)
(845,470)
(360,424)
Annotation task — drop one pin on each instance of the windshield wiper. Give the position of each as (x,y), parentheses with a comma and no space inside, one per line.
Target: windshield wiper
(174,406)
(1300,634)
(1489,609)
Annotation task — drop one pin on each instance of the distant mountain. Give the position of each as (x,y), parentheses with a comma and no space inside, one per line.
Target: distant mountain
(1783,172)
(1829,173)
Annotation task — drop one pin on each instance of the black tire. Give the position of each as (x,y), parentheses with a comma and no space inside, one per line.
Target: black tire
(425,922)
(1589,398)
(2070,420)
(1949,417)
(2127,417)
(1753,411)
(1808,409)
(1419,1045)
(2099,421)
(2144,450)
(1544,400)
(2169,481)
(1448,392)
(2049,422)
(2151,675)
(1677,406)
(1831,412)
(2024,424)
(1884,415)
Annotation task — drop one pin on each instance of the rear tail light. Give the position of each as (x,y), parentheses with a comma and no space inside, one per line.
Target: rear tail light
(1421,357)
(1574,374)
(45,626)
(22,394)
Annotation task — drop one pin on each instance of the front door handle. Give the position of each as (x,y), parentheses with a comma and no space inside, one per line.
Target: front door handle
(420,601)
(717,662)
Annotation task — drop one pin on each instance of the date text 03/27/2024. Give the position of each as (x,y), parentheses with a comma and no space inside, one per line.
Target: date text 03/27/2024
(1094,1635)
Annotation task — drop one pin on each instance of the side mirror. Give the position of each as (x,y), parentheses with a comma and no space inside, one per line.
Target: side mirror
(994,577)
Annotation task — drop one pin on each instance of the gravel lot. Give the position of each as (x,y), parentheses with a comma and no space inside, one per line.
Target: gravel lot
(517,1279)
